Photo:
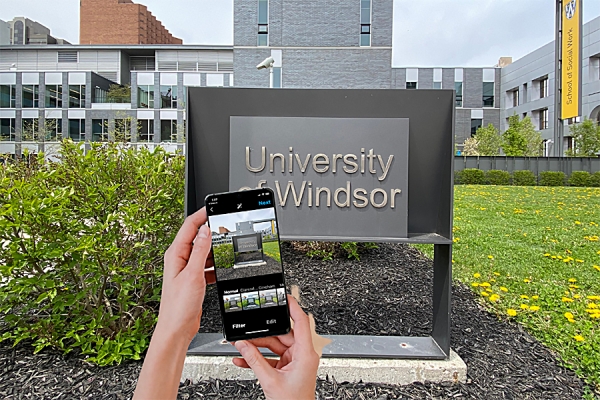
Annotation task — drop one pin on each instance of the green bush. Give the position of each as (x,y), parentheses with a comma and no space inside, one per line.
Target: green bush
(223,254)
(595,179)
(523,178)
(326,251)
(472,176)
(457,175)
(552,178)
(497,177)
(83,244)
(580,178)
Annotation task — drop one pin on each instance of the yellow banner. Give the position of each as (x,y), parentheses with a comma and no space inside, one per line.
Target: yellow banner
(571,36)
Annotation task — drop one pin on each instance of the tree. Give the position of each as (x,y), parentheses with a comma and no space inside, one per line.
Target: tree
(587,139)
(521,139)
(488,141)
(470,147)
(119,94)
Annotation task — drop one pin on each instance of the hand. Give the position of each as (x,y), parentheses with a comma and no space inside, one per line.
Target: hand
(295,373)
(184,282)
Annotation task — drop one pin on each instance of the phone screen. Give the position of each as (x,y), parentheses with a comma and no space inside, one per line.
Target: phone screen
(248,267)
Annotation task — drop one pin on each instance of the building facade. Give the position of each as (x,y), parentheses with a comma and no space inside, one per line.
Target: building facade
(348,44)
(314,45)
(528,88)
(25,31)
(48,93)
(120,22)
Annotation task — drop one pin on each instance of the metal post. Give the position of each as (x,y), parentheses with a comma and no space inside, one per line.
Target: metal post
(558,123)
(442,291)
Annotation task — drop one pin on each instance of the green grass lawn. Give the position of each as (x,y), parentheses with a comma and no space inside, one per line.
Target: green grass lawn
(272,250)
(532,254)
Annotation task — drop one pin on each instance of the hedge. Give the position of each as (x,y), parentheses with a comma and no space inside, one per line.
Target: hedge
(473,176)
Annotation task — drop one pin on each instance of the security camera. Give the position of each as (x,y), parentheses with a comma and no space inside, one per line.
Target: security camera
(267,63)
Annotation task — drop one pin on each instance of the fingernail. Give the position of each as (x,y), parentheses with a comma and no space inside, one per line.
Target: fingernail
(241,345)
(203,231)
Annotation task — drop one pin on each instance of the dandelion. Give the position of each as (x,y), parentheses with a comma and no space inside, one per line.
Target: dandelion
(576,296)
(567,300)
(573,287)
(526,280)
(593,297)
(491,257)
(503,289)
(534,308)
(474,284)
(597,268)
(485,294)
(524,296)
(577,223)
(569,315)
(477,275)
(579,261)
(535,297)
(511,312)
(592,305)
(494,297)
(546,254)
(578,338)
(572,280)
(485,284)
(524,306)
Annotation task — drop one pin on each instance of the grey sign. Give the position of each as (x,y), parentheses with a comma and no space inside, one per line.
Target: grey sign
(332,177)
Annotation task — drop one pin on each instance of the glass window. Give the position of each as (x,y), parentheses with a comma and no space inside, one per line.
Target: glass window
(53,129)
(411,85)
(31,96)
(7,129)
(146,96)
(99,130)
(77,130)
(29,129)
(365,22)
(123,130)
(76,96)
(515,97)
(168,130)
(53,96)
(475,124)
(437,85)
(458,87)
(8,96)
(524,97)
(543,88)
(276,77)
(544,119)
(146,131)
(488,94)
(168,96)
(263,23)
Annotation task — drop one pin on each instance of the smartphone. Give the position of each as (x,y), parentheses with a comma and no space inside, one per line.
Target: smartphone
(248,267)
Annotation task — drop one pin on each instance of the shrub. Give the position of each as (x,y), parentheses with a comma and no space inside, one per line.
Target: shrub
(580,178)
(472,176)
(552,178)
(223,255)
(523,178)
(457,175)
(595,179)
(326,251)
(497,177)
(83,245)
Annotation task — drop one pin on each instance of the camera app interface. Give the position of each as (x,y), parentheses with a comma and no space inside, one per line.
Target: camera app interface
(248,264)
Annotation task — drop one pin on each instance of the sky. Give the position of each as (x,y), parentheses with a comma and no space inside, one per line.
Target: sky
(229,220)
(434,33)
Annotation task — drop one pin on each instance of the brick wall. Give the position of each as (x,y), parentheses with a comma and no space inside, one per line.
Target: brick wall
(120,22)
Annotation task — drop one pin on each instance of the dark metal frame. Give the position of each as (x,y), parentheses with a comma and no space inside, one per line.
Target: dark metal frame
(431,175)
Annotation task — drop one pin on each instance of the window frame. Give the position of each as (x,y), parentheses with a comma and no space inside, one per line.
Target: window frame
(103,134)
(543,82)
(80,131)
(262,39)
(543,119)
(58,98)
(173,100)
(473,133)
(365,36)
(75,102)
(486,98)
(459,97)
(12,131)
(35,93)
(149,133)
(172,131)
(35,127)
(150,91)
(55,133)
(12,96)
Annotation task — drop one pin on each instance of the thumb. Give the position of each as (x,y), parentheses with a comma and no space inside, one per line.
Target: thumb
(262,369)
(201,249)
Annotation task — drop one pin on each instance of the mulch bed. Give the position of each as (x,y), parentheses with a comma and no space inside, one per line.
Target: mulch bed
(271,267)
(345,296)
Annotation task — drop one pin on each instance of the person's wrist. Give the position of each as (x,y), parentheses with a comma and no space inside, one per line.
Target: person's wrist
(169,335)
